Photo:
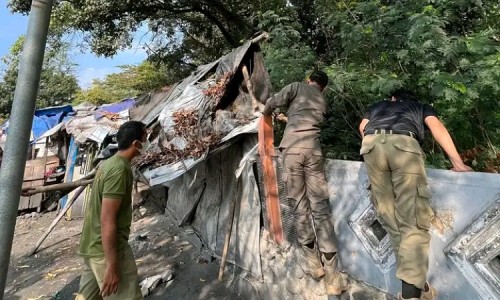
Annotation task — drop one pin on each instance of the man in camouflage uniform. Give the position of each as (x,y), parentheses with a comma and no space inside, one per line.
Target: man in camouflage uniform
(305,178)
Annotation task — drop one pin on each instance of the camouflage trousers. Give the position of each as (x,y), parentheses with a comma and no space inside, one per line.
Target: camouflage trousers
(307,188)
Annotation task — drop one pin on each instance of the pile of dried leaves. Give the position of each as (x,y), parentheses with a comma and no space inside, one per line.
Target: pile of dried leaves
(216,91)
(187,128)
(112,116)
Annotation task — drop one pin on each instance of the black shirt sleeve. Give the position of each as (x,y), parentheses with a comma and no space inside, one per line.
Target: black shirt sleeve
(367,115)
(369,111)
(429,111)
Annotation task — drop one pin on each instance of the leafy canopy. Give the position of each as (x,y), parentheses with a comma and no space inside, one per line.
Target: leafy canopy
(58,84)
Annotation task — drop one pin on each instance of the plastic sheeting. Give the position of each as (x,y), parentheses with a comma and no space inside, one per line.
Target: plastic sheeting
(203,197)
(189,93)
(44,120)
(115,107)
(229,119)
(87,128)
(149,106)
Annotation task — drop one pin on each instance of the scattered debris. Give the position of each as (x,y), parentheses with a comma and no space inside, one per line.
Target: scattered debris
(112,116)
(149,284)
(53,274)
(24,267)
(142,236)
(167,275)
(40,297)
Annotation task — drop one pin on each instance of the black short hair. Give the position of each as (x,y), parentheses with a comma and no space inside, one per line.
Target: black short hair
(320,78)
(128,133)
(402,94)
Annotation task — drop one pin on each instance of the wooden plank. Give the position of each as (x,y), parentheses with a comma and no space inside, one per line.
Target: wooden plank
(34,175)
(24,202)
(266,152)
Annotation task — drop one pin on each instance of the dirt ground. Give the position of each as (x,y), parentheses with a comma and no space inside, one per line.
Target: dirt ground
(158,244)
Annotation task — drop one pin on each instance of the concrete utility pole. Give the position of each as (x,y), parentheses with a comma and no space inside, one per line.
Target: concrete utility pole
(20,122)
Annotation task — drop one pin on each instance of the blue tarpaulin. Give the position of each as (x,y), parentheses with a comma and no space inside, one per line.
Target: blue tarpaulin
(45,119)
(55,110)
(115,107)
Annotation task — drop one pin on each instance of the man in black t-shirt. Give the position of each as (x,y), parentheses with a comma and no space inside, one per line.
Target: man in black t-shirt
(392,132)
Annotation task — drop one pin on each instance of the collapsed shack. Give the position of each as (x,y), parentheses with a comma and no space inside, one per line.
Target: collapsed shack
(204,145)
(91,129)
(47,152)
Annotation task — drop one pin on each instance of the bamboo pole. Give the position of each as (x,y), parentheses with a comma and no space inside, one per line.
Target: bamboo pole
(58,218)
(227,240)
(29,191)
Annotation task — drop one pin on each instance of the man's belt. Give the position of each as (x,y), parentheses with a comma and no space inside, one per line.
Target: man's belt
(390,131)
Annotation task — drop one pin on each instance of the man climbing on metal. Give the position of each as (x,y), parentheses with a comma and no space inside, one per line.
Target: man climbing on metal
(392,132)
(110,268)
(304,177)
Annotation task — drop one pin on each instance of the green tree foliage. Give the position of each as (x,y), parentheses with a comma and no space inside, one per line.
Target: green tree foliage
(446,51)
(58,84)
(183,33)
(130,82)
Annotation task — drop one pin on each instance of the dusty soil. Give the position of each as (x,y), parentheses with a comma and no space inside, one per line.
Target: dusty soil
(158,244)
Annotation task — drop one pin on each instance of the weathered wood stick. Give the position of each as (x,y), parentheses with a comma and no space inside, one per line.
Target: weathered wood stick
(29,191)
(260,38)
(257,106)
(58,218)
(227,240)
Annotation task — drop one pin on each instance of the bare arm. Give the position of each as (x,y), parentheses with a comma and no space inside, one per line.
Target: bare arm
(109,215)
(362,127)
(282,118)
(442,136)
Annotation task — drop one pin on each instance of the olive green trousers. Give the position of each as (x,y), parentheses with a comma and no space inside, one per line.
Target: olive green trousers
(399,192)
(93,278)
(307,188)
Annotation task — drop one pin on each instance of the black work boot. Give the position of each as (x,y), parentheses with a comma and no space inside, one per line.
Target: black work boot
(401,298)
(312,265)
(335,281)
(429,293)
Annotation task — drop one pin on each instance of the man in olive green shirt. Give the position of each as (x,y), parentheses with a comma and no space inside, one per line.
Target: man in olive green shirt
(110,269)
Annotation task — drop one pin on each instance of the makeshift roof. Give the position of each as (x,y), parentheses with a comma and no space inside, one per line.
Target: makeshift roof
(55,110)
(45,119)
(85,126)
(208,109)
(114,107)
(148,107)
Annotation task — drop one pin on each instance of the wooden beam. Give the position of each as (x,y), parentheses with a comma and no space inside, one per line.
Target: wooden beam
(29,191)
(266,152)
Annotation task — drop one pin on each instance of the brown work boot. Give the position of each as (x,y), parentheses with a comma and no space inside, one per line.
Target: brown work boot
(312,265)
(335,281)
(429,293)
